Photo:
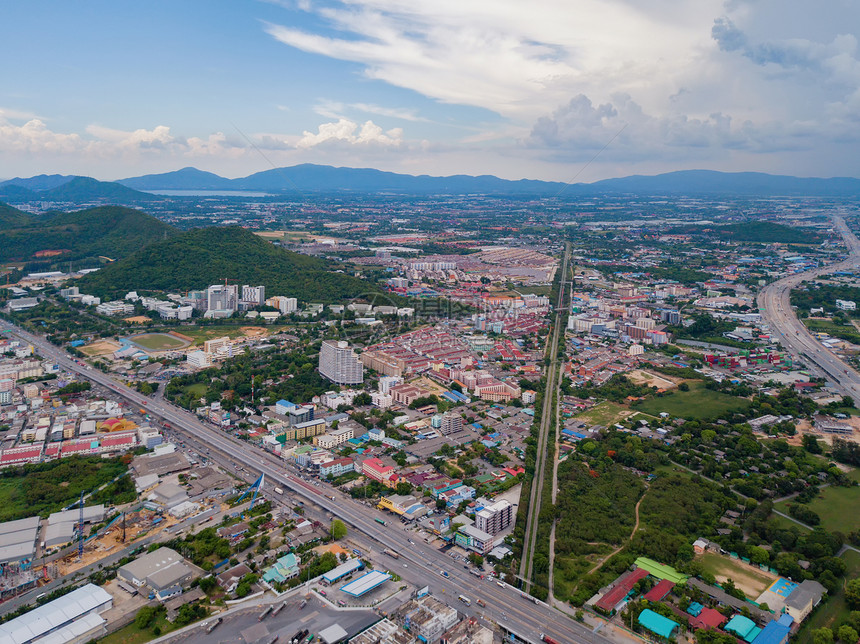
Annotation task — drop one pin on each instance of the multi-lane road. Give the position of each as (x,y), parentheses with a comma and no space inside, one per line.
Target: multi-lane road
(774,304)
(418,565)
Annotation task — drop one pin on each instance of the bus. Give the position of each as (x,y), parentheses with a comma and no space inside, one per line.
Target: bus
(465,600)
(380,521)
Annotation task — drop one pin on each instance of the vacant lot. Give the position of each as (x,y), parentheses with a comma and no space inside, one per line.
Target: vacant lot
(158,341)
(652,379)
(197,389)
(100,348)
(698,403)
(605,413)
(837,507)
(749,579)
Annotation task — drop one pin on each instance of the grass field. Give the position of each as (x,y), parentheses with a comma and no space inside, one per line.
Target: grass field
(605,413)
(696,404)
(131,634)
(749,579)
(158,341)
(837,507)
(197,390)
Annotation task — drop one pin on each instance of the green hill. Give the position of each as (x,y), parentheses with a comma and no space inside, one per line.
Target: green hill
(12,217)
(88,189)
(197,258)
(111,231)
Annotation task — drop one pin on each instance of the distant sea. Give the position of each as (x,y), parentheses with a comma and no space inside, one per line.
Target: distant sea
(208,193)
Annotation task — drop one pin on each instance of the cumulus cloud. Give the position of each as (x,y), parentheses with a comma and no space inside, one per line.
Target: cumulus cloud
(344,131)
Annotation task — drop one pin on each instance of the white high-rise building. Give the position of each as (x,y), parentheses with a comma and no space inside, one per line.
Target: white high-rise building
(494,518)
(253,295)
(285,305)
(340,364)
(222,297)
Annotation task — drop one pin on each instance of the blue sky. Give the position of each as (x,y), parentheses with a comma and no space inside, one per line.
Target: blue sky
(518,89)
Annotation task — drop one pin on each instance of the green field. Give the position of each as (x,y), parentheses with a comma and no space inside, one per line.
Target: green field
(158,341)
(605,413)
(197,390)
(696,404)
(837,507)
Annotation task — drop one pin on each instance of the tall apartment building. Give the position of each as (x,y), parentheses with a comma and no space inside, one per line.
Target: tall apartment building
(222,297)
(452,422)
(285,305)
(340,364)
(253,295)
(494,518)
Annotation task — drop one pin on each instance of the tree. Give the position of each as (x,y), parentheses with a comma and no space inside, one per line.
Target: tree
(338,529)
(145,616)
(852,594)
(847,635)
(758,555)
(810,444)
(822,636)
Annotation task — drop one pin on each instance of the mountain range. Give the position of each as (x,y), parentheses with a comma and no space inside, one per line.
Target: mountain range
(310,178)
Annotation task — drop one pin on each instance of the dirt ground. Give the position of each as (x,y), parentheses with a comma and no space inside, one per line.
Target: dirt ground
(254,331)
(112,541)
(100,348)
(652,379)
(426,383)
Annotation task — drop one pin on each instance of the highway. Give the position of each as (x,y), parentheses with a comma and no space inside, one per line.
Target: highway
(775,306)
(420,566)
(548,418)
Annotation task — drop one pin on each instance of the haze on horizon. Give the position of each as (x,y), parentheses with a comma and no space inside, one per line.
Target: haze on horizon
(507,88)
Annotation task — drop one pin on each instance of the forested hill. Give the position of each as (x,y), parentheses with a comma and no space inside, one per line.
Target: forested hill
(12,217)
(755,231)
(110,231)
(197,258)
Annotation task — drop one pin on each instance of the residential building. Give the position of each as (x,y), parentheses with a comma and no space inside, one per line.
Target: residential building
(222,300)
(285,305)
(333,469)
(427,617)
(253,295)
(339,363)
(375,469)
(495,518)
(451,423)
(334,438)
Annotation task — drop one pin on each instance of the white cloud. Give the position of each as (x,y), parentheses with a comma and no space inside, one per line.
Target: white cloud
(344,131)
(753,75)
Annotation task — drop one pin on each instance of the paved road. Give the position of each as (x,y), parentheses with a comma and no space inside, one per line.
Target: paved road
(504,604)
(773,301)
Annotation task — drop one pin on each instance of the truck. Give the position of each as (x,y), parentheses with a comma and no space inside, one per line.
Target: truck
(548,639)
(465,600)
(213,625)
(391,553)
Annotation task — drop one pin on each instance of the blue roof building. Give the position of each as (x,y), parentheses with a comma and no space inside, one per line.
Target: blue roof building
(776,631)
(656,623)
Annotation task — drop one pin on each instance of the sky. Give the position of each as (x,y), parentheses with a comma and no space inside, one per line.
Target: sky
(566,90)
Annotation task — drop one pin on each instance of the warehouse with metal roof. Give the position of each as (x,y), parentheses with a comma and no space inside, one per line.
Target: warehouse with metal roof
(18,540)
(73,617)
(158,569)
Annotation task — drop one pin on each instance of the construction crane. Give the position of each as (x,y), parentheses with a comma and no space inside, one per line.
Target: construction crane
(256,486)
(81,529)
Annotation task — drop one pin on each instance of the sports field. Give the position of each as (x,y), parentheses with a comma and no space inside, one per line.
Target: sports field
(696,404)
(100,348)
(749,579)
(158,342)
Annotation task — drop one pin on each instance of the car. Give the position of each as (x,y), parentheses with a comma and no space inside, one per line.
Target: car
(500,583)
(405,565)
(322,592)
